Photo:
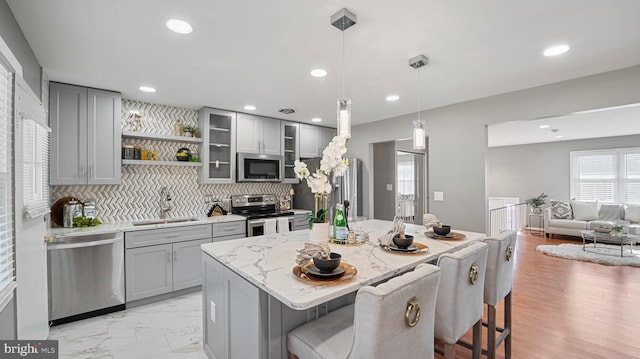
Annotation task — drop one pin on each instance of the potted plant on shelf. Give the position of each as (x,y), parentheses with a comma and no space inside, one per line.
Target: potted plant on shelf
(188,131)
(536,203)
(332,164)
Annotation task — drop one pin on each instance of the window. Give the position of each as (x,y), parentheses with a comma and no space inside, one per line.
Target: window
(611,176)
(406,173)
(7,273)
(35,147)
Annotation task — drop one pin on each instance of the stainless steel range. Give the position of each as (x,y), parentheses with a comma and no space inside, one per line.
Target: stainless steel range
(256,208)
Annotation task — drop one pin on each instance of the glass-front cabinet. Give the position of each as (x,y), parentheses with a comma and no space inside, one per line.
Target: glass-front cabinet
(218,145)
(291,150)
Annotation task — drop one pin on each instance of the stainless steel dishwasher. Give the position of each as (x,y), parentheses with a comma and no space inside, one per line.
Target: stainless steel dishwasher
(85,276)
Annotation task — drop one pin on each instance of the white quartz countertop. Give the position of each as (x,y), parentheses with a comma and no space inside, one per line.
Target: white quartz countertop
(129,227)
(300,211)
(268,261)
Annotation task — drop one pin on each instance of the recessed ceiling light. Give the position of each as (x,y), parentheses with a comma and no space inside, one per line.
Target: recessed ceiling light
(318,72)
(250,108)
(316,119)
(392,98)
(179,26)
(146,89)
(543,126)
(559,136)
(556,50)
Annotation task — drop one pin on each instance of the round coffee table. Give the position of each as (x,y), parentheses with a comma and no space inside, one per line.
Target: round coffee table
(599,237)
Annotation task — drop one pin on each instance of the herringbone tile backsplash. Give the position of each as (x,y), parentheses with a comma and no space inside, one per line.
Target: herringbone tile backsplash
(138,195)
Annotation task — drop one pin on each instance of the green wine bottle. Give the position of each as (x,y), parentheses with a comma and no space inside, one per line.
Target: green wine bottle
(340,223)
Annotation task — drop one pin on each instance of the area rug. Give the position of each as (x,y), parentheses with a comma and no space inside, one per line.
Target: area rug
(605,254)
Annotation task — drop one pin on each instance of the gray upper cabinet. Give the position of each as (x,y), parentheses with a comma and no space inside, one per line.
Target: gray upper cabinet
(85,140)
(218,146)
(258,134)
(314,139)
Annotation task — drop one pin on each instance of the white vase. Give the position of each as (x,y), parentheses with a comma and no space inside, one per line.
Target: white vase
(319,233)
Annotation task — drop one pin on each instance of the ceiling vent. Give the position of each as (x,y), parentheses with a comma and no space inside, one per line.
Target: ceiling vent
(287,111)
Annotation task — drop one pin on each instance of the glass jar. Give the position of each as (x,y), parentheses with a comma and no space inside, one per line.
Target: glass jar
(137,152)
(127,152)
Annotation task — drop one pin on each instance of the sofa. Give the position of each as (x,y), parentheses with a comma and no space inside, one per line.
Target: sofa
(571,217)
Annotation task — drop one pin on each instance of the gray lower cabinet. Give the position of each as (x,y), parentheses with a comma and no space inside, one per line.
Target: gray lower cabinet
(241,320)
(159,261)
(148,271)
(232,314)
(187,269)
(229,230)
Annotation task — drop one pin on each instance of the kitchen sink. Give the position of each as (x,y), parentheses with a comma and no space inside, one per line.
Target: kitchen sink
(163,221)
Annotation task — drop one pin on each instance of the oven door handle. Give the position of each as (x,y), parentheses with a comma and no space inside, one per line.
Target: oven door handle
(254,222)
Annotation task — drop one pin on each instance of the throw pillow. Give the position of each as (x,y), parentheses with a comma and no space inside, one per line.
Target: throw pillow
(584,211)
(610,212)
(632,213)
(561,210)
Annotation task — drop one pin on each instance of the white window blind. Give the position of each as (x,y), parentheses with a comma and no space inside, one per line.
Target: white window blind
(35,145)
(611,176)
(7,273)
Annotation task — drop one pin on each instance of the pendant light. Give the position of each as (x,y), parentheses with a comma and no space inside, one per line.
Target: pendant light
(343,20)
(419,135)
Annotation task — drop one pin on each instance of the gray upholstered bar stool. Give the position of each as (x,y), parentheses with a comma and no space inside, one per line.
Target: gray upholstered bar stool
(459,304)
(391,320)
(497,285)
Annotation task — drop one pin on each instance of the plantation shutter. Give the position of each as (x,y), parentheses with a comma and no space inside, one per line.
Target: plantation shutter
(36,158)
(7,271)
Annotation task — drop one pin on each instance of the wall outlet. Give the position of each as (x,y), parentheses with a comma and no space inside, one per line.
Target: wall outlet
(389,187)
(213,311)
(438,196)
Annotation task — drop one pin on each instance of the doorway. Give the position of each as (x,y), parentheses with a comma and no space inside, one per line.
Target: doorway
(410,184)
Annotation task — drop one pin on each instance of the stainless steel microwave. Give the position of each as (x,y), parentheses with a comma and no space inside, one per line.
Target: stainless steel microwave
(253,167)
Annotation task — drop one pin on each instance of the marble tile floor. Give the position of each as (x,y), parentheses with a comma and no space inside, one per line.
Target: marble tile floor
(167,329)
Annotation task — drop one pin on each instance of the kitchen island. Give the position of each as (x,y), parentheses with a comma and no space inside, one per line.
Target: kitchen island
(251,299)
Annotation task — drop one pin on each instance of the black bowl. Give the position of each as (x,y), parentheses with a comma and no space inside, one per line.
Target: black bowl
(327,265)
(443,231)
(186,154)
(403,243)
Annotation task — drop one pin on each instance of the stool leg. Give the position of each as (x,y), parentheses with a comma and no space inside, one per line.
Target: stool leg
(507,326)
(477,339)
(449,351)
(491,332)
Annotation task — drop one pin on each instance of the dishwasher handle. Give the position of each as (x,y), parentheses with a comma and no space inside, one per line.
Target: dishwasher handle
(101,242)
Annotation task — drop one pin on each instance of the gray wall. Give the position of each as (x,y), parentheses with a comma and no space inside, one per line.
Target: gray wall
(458,139)
(526,170)
(384,165)
(12,35)
(8,320)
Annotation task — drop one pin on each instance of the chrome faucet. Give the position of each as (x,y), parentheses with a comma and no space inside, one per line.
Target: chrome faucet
(164,202)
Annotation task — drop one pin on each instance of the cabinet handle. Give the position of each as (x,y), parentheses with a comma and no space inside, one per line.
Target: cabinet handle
(168,257)
(175,256)
(90,171)
(171,235)
(81,171)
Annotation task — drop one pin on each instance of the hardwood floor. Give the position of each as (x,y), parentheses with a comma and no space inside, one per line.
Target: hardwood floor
(569,309)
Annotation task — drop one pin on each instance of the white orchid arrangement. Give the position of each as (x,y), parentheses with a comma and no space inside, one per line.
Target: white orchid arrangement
(331,164)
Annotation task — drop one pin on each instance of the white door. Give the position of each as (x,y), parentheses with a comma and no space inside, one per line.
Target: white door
(31,251)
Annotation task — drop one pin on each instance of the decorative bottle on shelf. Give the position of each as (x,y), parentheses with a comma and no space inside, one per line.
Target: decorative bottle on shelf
(340,223)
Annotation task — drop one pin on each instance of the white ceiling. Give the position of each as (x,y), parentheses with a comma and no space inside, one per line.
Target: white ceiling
(604,122)
(260,52)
